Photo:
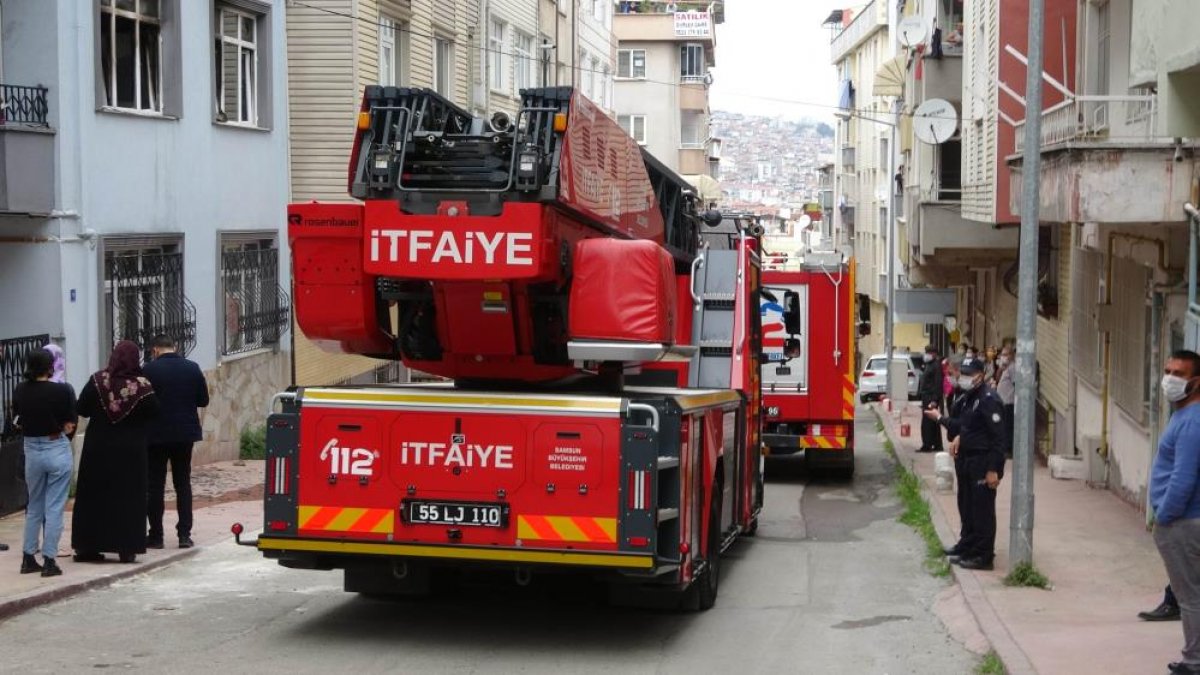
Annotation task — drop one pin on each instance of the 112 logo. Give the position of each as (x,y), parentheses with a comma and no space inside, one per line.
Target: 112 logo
(351,461)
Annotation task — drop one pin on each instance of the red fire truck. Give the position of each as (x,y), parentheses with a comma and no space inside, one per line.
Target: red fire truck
(603,413)
(808,357)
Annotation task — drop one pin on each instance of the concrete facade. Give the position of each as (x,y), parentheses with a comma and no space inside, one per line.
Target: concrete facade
(664,101)
(186,170)
(1113,182)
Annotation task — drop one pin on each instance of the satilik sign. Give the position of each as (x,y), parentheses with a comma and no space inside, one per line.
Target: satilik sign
(693,24)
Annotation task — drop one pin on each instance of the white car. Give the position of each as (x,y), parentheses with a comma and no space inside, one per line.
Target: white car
(872,382)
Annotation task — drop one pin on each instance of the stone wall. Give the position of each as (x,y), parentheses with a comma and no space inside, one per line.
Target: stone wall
(239,391)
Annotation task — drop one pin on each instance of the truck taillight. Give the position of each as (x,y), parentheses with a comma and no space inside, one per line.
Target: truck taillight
(868,373)
(279,480)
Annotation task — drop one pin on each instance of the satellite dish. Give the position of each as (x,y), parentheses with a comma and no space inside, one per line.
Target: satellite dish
(912,31)
(935,121)
(805,221)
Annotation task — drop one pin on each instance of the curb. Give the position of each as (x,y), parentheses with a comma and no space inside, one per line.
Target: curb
(1016,661)
(12,606)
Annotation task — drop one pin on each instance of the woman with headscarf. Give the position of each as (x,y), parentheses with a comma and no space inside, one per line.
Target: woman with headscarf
(59,373)
(110,496)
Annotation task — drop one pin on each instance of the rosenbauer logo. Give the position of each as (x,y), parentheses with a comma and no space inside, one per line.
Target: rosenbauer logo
(299,220)
(459,248)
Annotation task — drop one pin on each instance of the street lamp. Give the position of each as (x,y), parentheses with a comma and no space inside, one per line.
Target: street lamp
(889,334)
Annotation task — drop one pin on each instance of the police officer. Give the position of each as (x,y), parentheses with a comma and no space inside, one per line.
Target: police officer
(979,431)
(930,390)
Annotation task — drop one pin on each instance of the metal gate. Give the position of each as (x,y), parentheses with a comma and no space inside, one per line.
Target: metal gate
(1191,335)
(13,352)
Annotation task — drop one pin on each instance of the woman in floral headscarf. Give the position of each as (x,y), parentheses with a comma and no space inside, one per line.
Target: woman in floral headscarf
(110,496)
(59,373)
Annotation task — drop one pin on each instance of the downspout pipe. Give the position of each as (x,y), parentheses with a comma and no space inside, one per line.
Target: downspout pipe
(1106,391)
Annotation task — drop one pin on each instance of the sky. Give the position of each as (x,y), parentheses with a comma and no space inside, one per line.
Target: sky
(779,50)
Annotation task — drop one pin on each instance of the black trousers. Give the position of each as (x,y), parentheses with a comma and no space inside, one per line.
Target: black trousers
(180,457)
(966,528)
(981,511)
(931,434)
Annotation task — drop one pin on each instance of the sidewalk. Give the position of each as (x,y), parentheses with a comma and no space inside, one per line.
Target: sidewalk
(225,492)
(1098,555)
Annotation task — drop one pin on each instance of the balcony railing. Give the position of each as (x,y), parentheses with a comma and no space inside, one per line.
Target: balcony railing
(1098,119)
(23,105)
(867,21)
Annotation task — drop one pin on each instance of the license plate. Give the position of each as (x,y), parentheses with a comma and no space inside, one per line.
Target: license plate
(475,514)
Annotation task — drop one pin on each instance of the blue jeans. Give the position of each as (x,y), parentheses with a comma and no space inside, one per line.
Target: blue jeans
(48,465)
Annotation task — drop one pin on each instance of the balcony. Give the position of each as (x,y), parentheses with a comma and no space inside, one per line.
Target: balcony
(693,96)
(27,151)
(941,235)
(873,17)
(942,79)
(693,159)
(1093,149)
(655,24)
(1096,119)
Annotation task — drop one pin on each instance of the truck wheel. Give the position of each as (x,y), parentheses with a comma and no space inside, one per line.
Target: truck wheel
(710,582)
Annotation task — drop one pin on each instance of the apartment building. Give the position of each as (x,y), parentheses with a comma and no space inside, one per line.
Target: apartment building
(144,147)
(664,53)
(1115,172)
(337,47)
(863,43)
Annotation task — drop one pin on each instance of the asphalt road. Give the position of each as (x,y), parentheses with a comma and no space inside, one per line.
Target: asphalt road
(832,584)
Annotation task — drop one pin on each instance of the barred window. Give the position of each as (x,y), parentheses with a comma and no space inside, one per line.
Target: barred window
(255,309)
(143,290)
(1129,355)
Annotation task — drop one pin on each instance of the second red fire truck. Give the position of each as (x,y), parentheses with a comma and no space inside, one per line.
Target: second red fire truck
(808,362)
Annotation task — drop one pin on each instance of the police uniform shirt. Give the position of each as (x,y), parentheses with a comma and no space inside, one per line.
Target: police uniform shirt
(980,424)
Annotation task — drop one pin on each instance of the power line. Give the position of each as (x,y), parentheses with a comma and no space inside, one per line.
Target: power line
(405,28)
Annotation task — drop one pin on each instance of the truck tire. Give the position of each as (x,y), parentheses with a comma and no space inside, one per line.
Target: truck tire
(709,583)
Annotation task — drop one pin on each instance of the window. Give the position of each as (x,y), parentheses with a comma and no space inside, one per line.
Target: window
(131,54)
(236,67)
(1129,351)
(600,82)
(606,94)
(496,60)
(631,63)
(254,307)
(635,126)
(1103,41)
(443,66)
(143,291)
(691,63)
(393,52)
(691,132)
(524,63)
(588,75)
(1087,270)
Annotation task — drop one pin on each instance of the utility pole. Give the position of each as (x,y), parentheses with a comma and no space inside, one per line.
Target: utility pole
(889,326)
(1020,543)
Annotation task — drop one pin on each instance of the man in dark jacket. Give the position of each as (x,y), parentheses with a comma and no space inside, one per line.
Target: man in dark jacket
(931,392)
(181,389)
(979,428)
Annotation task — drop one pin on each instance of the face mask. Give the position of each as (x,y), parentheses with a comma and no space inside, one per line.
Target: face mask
(966,382)
(1004,361)
(1174,388)
(970,355)
(928,358)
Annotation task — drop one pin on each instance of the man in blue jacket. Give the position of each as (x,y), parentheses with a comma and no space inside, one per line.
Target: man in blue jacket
(1175,498)
(181,389)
